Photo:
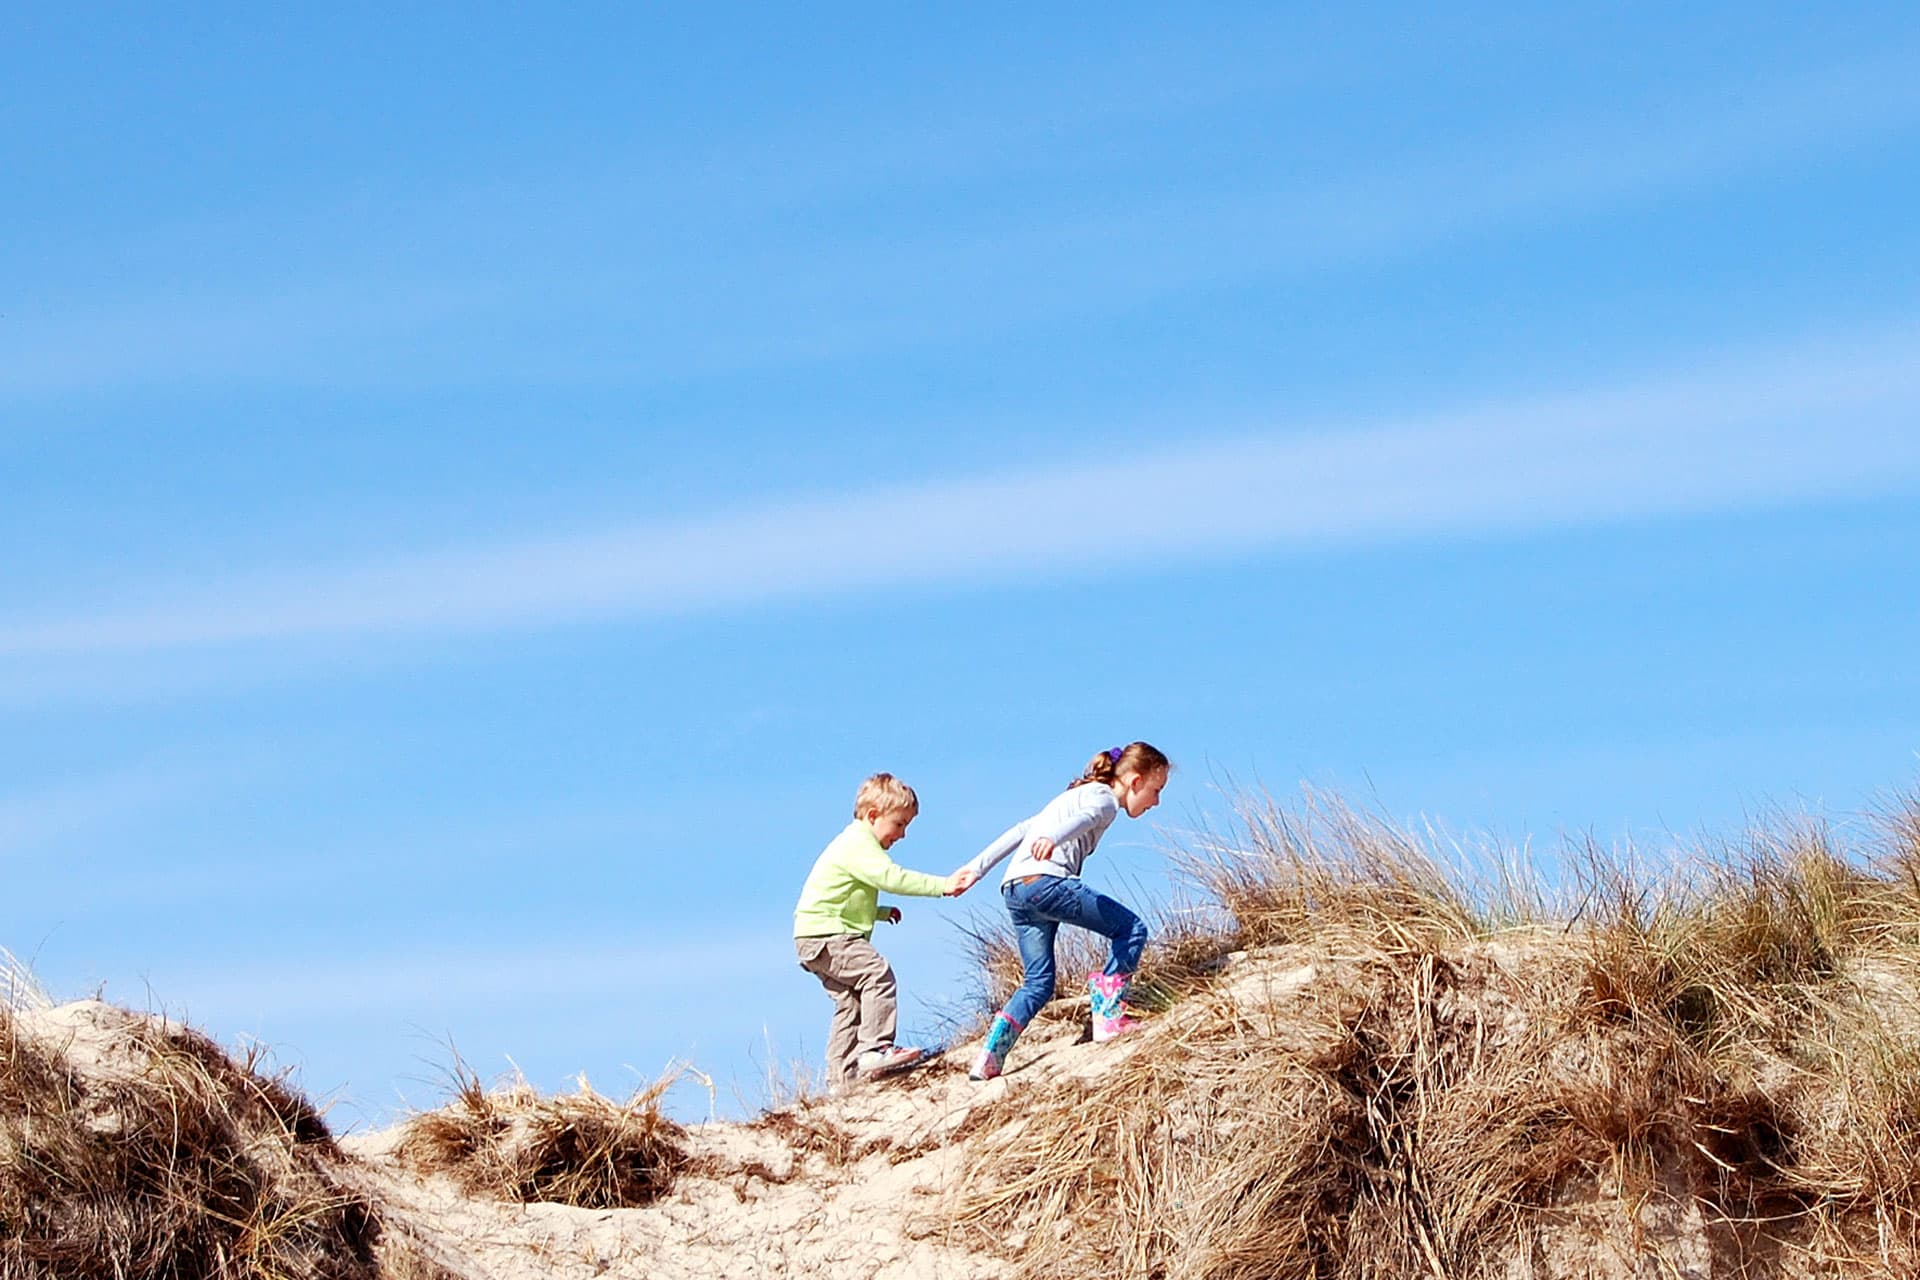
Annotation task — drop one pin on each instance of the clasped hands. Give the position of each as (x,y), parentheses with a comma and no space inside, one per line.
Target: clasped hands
(963,879)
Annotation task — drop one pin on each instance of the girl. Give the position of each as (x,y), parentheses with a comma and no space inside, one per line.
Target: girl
(1043,891)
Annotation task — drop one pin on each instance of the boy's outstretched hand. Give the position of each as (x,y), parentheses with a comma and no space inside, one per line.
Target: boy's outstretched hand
(961,881)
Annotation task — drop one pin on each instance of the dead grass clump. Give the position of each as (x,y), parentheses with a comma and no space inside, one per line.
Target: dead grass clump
(1721,1058)
(1286,877)
(1898,822)
(1747,944)
(136,1147)
(582,1149)
(809,1133)
(1855,1100)
(1360,1136)
(1780,914)
(1423,1115)
(1189,947)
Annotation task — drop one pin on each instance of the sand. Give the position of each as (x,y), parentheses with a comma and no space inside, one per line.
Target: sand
(848,1186)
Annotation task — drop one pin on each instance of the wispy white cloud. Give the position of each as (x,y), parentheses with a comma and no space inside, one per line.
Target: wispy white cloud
(244,333)
(1779,427)
(1528,176)
(864,292)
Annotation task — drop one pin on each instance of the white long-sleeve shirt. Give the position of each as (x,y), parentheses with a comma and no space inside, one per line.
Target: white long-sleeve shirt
(1074,820)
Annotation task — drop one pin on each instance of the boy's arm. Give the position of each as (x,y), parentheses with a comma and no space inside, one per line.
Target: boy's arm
(872,866)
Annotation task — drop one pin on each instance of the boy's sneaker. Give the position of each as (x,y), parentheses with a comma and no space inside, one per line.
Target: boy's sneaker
(884,1062)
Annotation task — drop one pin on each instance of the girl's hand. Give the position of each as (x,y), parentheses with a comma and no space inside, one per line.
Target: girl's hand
(961,881)
(1042,848)
(890,914)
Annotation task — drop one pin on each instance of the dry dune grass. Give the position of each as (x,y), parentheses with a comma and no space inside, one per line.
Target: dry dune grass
(1324,869)
(581,1149)
(807,1131)
(164,1157)
(1732,1046)
(1375,1055)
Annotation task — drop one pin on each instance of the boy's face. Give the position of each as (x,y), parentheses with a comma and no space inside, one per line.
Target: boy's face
(888,828)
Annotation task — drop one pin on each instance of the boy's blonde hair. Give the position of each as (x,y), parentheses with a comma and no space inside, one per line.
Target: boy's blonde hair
(886,793)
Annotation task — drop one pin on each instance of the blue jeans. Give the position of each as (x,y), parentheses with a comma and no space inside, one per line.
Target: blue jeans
(1039,907)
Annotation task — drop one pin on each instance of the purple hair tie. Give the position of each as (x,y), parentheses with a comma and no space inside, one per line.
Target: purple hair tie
(1114,753)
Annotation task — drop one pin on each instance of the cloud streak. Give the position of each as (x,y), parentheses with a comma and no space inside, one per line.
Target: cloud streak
(333,324)
(1785,427)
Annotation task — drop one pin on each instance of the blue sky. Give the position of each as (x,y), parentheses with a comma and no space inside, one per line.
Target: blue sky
(478,488)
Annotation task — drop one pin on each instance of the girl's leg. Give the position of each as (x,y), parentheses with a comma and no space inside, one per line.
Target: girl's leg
(1033,933)
(1071,901)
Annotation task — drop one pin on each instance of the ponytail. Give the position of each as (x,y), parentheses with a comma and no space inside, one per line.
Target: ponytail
(1135,757)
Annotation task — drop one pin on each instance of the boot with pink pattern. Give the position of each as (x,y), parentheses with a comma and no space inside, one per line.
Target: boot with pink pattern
(1107,990)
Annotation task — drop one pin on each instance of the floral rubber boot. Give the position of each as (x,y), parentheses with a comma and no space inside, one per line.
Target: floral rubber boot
(993,1054)
(1107,990)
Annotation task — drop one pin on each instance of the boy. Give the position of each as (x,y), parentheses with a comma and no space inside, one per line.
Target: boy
(833,922)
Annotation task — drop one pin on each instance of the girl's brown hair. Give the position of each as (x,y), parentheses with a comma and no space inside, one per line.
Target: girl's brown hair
(1135,757)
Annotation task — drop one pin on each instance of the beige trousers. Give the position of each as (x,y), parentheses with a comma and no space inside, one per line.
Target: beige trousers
(866,1000)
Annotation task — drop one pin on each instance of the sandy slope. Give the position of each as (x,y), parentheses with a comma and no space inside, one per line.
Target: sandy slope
(850,1186)
(853,1186)
(865,1184)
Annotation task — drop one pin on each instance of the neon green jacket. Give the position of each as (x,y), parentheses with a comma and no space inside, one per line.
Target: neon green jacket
(842,892)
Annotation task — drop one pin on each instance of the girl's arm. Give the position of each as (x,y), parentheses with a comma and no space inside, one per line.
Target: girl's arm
(1002,845)
(1073,821)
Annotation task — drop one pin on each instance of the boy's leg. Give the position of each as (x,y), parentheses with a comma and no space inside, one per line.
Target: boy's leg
(825,959)
(869,979)
(843,1035)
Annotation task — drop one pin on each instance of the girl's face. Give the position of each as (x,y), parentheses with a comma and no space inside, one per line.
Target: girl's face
(1139,792)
